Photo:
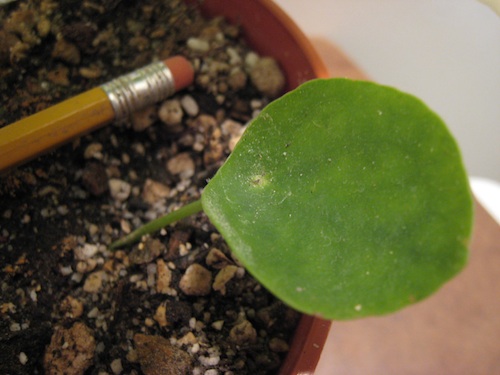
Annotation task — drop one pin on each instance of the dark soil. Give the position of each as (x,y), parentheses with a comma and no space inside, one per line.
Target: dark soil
(67,303)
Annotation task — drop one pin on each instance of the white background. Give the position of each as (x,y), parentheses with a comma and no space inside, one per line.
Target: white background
(447,52)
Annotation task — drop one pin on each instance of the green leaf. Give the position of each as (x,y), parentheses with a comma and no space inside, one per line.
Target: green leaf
(345,199)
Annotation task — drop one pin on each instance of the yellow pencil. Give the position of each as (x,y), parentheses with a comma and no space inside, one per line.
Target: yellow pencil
(47,129)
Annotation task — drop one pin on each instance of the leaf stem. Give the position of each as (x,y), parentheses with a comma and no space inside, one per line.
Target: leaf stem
(161,222)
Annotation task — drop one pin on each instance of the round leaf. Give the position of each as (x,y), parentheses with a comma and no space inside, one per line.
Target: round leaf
(345,199)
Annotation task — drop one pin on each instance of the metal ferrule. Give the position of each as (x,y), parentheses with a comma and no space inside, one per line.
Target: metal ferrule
(139,89)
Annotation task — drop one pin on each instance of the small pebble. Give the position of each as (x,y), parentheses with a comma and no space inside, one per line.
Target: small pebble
(95,178)
(210,32)
(62,210)
(157,355)
(233,141)
(47,212)
(141,120)
(132,356)
(65,271)
(93,282)
(196,281)
(243,333)
(251,59)
(209,361)
(170,112)
(140,43)
(153,191)
(66,51)
(231,127)
(116,366)
(76,354)
(100,347)
(234,56)
(218,325)
(151,271)
(147,251)
(237,79)
(139,149)
(23,358)
(278,345)
(182,164)
(217,259)
(161,315)
(188,339)
(85,252)
(7,307)
(267,77)
(93,150)
(86,266)
(223,277)
(76,277)
(119,189)
(125,158)
(215,149)
(190,105)
(72,307)
(8,42)
(164,278)
(43,27)
(256,104)
(198,45)
(203,123)
(90,72)
(59,76)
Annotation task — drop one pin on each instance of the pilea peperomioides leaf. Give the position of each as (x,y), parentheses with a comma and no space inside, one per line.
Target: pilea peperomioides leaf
(345,199)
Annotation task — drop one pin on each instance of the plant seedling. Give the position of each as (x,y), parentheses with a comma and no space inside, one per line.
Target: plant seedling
(344,198)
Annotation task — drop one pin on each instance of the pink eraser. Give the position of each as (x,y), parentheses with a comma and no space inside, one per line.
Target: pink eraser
(182,71)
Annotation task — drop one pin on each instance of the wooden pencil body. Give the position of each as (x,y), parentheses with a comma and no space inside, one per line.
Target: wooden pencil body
(45,130)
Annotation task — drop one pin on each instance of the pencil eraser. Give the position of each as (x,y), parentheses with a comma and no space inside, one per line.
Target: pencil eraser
(182,71)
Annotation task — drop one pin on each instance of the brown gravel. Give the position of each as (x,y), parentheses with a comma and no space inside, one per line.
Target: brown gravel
(71,351)
(67,302)
(158,356)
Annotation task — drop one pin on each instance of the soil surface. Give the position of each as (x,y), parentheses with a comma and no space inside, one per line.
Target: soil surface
(177,303)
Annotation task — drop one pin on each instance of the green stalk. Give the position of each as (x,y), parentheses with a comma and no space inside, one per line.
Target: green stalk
(161,222)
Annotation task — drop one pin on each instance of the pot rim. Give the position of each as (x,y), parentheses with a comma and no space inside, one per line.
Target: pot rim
(271,32)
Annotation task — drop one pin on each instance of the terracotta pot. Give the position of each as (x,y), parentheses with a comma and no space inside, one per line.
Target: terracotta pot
(271,32)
